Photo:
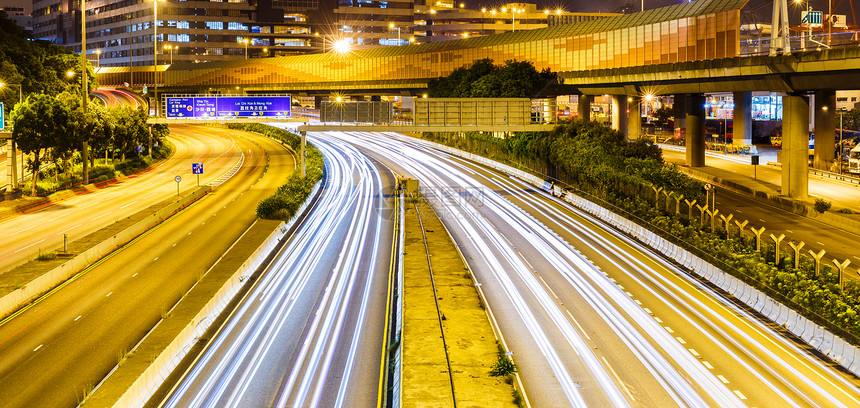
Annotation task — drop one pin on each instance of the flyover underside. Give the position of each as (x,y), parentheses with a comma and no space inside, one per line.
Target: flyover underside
(406,87)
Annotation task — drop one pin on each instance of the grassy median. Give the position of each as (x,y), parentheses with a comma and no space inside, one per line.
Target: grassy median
(460,318)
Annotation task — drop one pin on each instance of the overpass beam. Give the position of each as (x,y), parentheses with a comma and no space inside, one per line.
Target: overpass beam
(695,120)
(583,107)
(634,117)
(742,122)
(825,129)
(619,113)
(795,146)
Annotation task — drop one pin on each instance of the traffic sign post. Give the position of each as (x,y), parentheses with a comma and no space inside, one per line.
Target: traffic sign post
(197,168)
(2,117)
(177,179)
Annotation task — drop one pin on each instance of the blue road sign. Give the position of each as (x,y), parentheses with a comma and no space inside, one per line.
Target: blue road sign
(2,117)
(217,107)
(196,168)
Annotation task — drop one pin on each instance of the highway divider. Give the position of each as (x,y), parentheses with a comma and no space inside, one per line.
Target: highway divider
(834,347)
(129,387)
(391,372)
(46,282)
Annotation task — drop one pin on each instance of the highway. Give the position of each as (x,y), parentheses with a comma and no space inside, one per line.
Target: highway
(594,319)
(309,333)
(42,228)
(63,346)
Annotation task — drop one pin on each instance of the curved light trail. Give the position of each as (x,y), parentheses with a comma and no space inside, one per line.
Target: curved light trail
(662,340)
(312,321)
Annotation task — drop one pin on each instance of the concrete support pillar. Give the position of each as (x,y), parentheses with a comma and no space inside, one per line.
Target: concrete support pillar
(583,107)
(634,117)
(695,121)
(795,146)
(742,122)
(375,98)
(679,106)
(825,129)
(619,113)
(317,101)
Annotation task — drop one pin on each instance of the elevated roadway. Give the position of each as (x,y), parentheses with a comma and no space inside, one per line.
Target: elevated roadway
(594,319)
(58,349)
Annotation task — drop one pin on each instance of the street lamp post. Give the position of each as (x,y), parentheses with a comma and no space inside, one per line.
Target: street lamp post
(98,58)
(20,94)
(245,41)
(841,129)
(170,48)
(391,25)
(155,52)
(84,91)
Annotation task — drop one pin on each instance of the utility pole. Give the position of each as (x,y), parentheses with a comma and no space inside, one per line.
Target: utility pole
(84,89)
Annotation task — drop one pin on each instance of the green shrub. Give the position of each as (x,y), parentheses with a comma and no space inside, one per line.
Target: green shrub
(503,367)
(821,205)
(847,210)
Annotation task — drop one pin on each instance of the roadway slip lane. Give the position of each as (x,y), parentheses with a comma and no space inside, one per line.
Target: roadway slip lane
(41,229)
(309,332)
(62,347)
(688,328)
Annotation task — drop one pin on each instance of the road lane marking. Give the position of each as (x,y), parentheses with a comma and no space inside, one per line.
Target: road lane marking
(789,231)
(174,244)
(37,242)
(820,243)
(618,378)
(740,395)
(693,352)
(156,258)
(657,319)
(78,318)
(708,365)
(629,294)
(25,229)
(135,274)
(648,311)
(128,204)
(107,213)
(723,379)
(577,325)
(638,302)
(67,230)
(526,260)
(108,295)
(762,220)
(669,329)
(37,348)
(680,340)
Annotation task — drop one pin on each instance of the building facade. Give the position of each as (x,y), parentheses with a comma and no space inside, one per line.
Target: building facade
(448,21)
(121,32)
(369,23)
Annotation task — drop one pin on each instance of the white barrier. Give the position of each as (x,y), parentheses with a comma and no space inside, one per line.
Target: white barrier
(845,354)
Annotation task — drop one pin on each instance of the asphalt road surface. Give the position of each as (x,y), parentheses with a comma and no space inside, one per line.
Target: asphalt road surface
(63,346)
(309,333)
(594,319)
(41,230)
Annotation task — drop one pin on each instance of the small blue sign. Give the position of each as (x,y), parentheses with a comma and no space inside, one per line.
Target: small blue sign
(2,117)
(196,168)
(812,17)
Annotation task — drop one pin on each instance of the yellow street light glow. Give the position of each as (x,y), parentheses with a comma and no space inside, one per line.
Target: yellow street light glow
(462,5)
(649,97)
(483,9)
(493,12)
(70,73)
(412,39)
(341,46)
(466,35)
(424,96)
(558,11)
(390,25)
(339,99)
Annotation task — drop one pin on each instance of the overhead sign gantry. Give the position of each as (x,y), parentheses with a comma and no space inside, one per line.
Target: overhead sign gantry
(228,107)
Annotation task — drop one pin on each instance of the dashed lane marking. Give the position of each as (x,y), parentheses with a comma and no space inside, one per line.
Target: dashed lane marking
(708,365)
(37,348)
(740,395)
(77,318)
(723,379)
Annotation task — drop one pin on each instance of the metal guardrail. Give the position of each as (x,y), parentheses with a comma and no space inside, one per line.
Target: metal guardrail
(848,178)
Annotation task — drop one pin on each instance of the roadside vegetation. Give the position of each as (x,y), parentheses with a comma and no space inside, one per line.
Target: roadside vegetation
(290,196)
(49,123)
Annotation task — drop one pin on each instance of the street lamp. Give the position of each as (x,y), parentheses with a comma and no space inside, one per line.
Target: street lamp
(391,25)
(98,58)
(170,48)
(20,95)
(841,129)
(266,51)
(246,46)
(154,52)
(341,46)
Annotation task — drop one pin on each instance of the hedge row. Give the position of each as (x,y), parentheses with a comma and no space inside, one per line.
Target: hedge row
(595,162)
(289,197)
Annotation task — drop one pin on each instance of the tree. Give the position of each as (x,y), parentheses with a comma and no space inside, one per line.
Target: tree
(515,79)
(130,129)
(40,124)
(662,116)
